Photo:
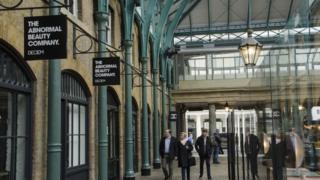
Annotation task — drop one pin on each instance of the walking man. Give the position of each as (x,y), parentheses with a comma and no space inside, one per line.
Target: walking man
(168,151)
(252,147)
(217,147)
(204,147)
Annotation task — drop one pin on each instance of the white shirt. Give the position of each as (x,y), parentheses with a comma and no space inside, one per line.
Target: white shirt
(167,145)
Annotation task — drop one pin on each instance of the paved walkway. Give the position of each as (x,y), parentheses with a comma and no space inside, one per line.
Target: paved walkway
(218,172)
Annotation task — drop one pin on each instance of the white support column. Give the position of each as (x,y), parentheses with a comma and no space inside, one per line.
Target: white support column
(243,124)
(212,119)
(238,124)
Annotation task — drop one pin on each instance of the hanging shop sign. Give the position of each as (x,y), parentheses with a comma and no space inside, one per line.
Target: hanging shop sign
(45,37)
(173,116)
(315,111)
(276,114)
(106,71)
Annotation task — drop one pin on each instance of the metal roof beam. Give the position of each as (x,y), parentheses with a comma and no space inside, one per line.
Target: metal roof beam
(209,14)
(290,10)
(189,9)
(220,30)
(158,31)
(228,11)
(249,14)
(169,33)
(314,8)
(146,16)
(269,12)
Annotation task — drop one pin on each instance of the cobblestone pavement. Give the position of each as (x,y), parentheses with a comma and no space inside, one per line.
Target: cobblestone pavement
(218,172)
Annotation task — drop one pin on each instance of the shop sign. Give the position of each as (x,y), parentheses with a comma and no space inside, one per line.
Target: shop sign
(315,111)
(45,37)
(106,71)
(276,114)
(173,116)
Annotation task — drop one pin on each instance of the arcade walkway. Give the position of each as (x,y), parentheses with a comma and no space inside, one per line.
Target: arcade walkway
(219,172)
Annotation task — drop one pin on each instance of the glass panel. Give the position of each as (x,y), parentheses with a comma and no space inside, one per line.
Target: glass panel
(69,135)
(22,115)
(21,131)
(75,133)
(20,159)
(5,131)
(75,119)
(82,149)
(75,155)
(82,120)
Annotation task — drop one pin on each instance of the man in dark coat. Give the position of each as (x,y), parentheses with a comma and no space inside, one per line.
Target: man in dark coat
(204,147)
(168,151)
(252,147)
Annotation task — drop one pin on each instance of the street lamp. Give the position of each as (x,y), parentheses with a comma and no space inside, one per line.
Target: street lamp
(250,50)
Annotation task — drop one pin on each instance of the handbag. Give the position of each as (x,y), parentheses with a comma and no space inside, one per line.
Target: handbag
(192,161)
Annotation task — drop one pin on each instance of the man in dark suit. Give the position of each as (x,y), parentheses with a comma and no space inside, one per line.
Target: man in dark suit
(168,151)
(204,147)
(252,147)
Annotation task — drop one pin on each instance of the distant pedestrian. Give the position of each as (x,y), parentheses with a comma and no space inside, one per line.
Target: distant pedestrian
(184,154)
(217,147)
(252,147)
(204,147)
(190,137)
(168,151)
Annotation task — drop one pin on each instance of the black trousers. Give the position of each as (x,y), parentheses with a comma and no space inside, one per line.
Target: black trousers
(207,160)
(185,173)
(252,164)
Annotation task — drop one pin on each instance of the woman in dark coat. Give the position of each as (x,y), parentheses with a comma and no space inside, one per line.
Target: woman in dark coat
(184,153)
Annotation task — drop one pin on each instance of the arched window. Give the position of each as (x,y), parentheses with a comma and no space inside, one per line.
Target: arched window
(15,121)
(74,126)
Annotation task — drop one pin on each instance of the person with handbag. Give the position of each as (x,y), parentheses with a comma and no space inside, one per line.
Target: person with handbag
(204,148)
(185,159)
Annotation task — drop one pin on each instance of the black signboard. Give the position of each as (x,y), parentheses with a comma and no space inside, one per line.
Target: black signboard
(45,37)
(276,114)
(106,71)
(173,116)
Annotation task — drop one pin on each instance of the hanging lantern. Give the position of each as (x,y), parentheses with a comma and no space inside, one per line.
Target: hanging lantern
(226,106)
(250,50)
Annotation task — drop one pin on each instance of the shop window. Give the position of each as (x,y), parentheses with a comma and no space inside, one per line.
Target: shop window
(74,126)
(110,27)
(15,126)
(75,7)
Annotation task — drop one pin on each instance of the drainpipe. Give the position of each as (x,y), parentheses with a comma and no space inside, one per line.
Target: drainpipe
(54,113)
(102,18)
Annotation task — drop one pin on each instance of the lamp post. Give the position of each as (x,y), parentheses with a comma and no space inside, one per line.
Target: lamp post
(250,50)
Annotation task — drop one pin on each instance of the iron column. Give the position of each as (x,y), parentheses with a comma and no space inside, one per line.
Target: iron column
(129,172)
(102,18)
(164,105)
(156,138)
(54,113)
(145,169)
